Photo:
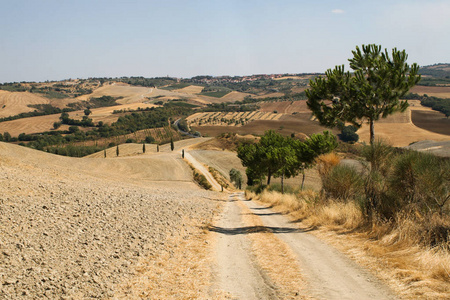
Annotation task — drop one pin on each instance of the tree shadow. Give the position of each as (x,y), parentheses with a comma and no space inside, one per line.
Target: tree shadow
(264,214)
(253,229)
(261,208)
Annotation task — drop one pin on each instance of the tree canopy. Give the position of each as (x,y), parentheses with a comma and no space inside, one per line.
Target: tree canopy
(278,156)
(372,91)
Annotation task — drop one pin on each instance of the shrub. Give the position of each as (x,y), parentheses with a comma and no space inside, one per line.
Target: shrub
(326,162)
(73,129)
(236,177)
(349,135)
(343,182)
(421,181)
(202,181)
(149,139)
(379,155)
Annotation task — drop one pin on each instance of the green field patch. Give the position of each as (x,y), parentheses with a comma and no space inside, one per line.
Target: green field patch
(175,86)
(217,94)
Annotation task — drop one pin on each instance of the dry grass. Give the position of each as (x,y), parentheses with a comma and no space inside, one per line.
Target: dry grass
(14,103)
(399,132)
(192,89)
(390,249)
(182,271)
(275,258)
(326,162)
(221,179)
(436,91)
(130,94)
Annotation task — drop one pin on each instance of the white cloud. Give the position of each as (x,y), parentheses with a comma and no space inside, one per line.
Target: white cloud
(337,11)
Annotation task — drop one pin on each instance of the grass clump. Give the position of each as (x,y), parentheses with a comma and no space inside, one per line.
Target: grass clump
(201,180)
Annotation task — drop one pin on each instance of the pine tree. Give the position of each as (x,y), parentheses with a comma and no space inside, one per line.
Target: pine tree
(374,89)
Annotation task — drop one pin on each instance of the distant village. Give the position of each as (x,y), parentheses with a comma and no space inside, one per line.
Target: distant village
(237,79)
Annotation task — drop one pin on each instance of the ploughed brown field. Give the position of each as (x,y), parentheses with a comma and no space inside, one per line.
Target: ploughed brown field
(431,120)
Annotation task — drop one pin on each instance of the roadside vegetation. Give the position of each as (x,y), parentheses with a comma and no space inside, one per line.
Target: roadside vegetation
(397,201)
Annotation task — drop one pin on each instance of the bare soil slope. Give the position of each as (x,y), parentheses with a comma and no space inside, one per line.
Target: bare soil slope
(76,228)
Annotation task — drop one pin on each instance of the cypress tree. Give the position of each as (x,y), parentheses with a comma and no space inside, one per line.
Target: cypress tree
(117,150)
(171,145)
(143,147)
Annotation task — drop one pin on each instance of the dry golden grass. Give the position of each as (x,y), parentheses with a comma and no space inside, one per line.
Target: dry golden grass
(276,258)
(326,162)
(182,271)
(435,91)
(130,94)
(233,96)
(14,103)
(398,131)
(192,89)
(390,250)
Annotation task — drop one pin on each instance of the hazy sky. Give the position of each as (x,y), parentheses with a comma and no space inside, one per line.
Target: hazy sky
(55,39)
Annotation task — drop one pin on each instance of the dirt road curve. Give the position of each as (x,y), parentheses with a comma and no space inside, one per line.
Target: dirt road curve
(328,273)
(216,186)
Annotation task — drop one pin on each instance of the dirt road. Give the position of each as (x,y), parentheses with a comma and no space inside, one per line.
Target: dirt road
(328,273)
(238,273)
(200,167)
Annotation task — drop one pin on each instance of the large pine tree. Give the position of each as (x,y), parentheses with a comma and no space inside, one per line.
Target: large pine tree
(372,91)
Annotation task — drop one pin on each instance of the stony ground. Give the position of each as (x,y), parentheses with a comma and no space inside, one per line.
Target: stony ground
(72,235)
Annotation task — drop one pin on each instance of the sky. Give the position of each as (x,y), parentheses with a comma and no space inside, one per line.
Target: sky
(60,39)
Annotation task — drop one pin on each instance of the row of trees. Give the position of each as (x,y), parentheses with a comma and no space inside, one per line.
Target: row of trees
(278,156)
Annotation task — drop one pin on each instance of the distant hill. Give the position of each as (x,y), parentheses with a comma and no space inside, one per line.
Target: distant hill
(437,74)
(436,70)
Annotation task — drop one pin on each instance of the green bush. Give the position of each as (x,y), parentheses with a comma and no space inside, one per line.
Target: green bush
(343,182)
(349,134)
(421,181)
(149,139)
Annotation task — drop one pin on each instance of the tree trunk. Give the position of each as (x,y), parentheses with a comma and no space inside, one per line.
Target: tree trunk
(303,179)
(372,132)
(268,177)
(282,183)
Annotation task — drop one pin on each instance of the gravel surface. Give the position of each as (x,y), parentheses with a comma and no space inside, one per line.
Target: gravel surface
(70,235)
